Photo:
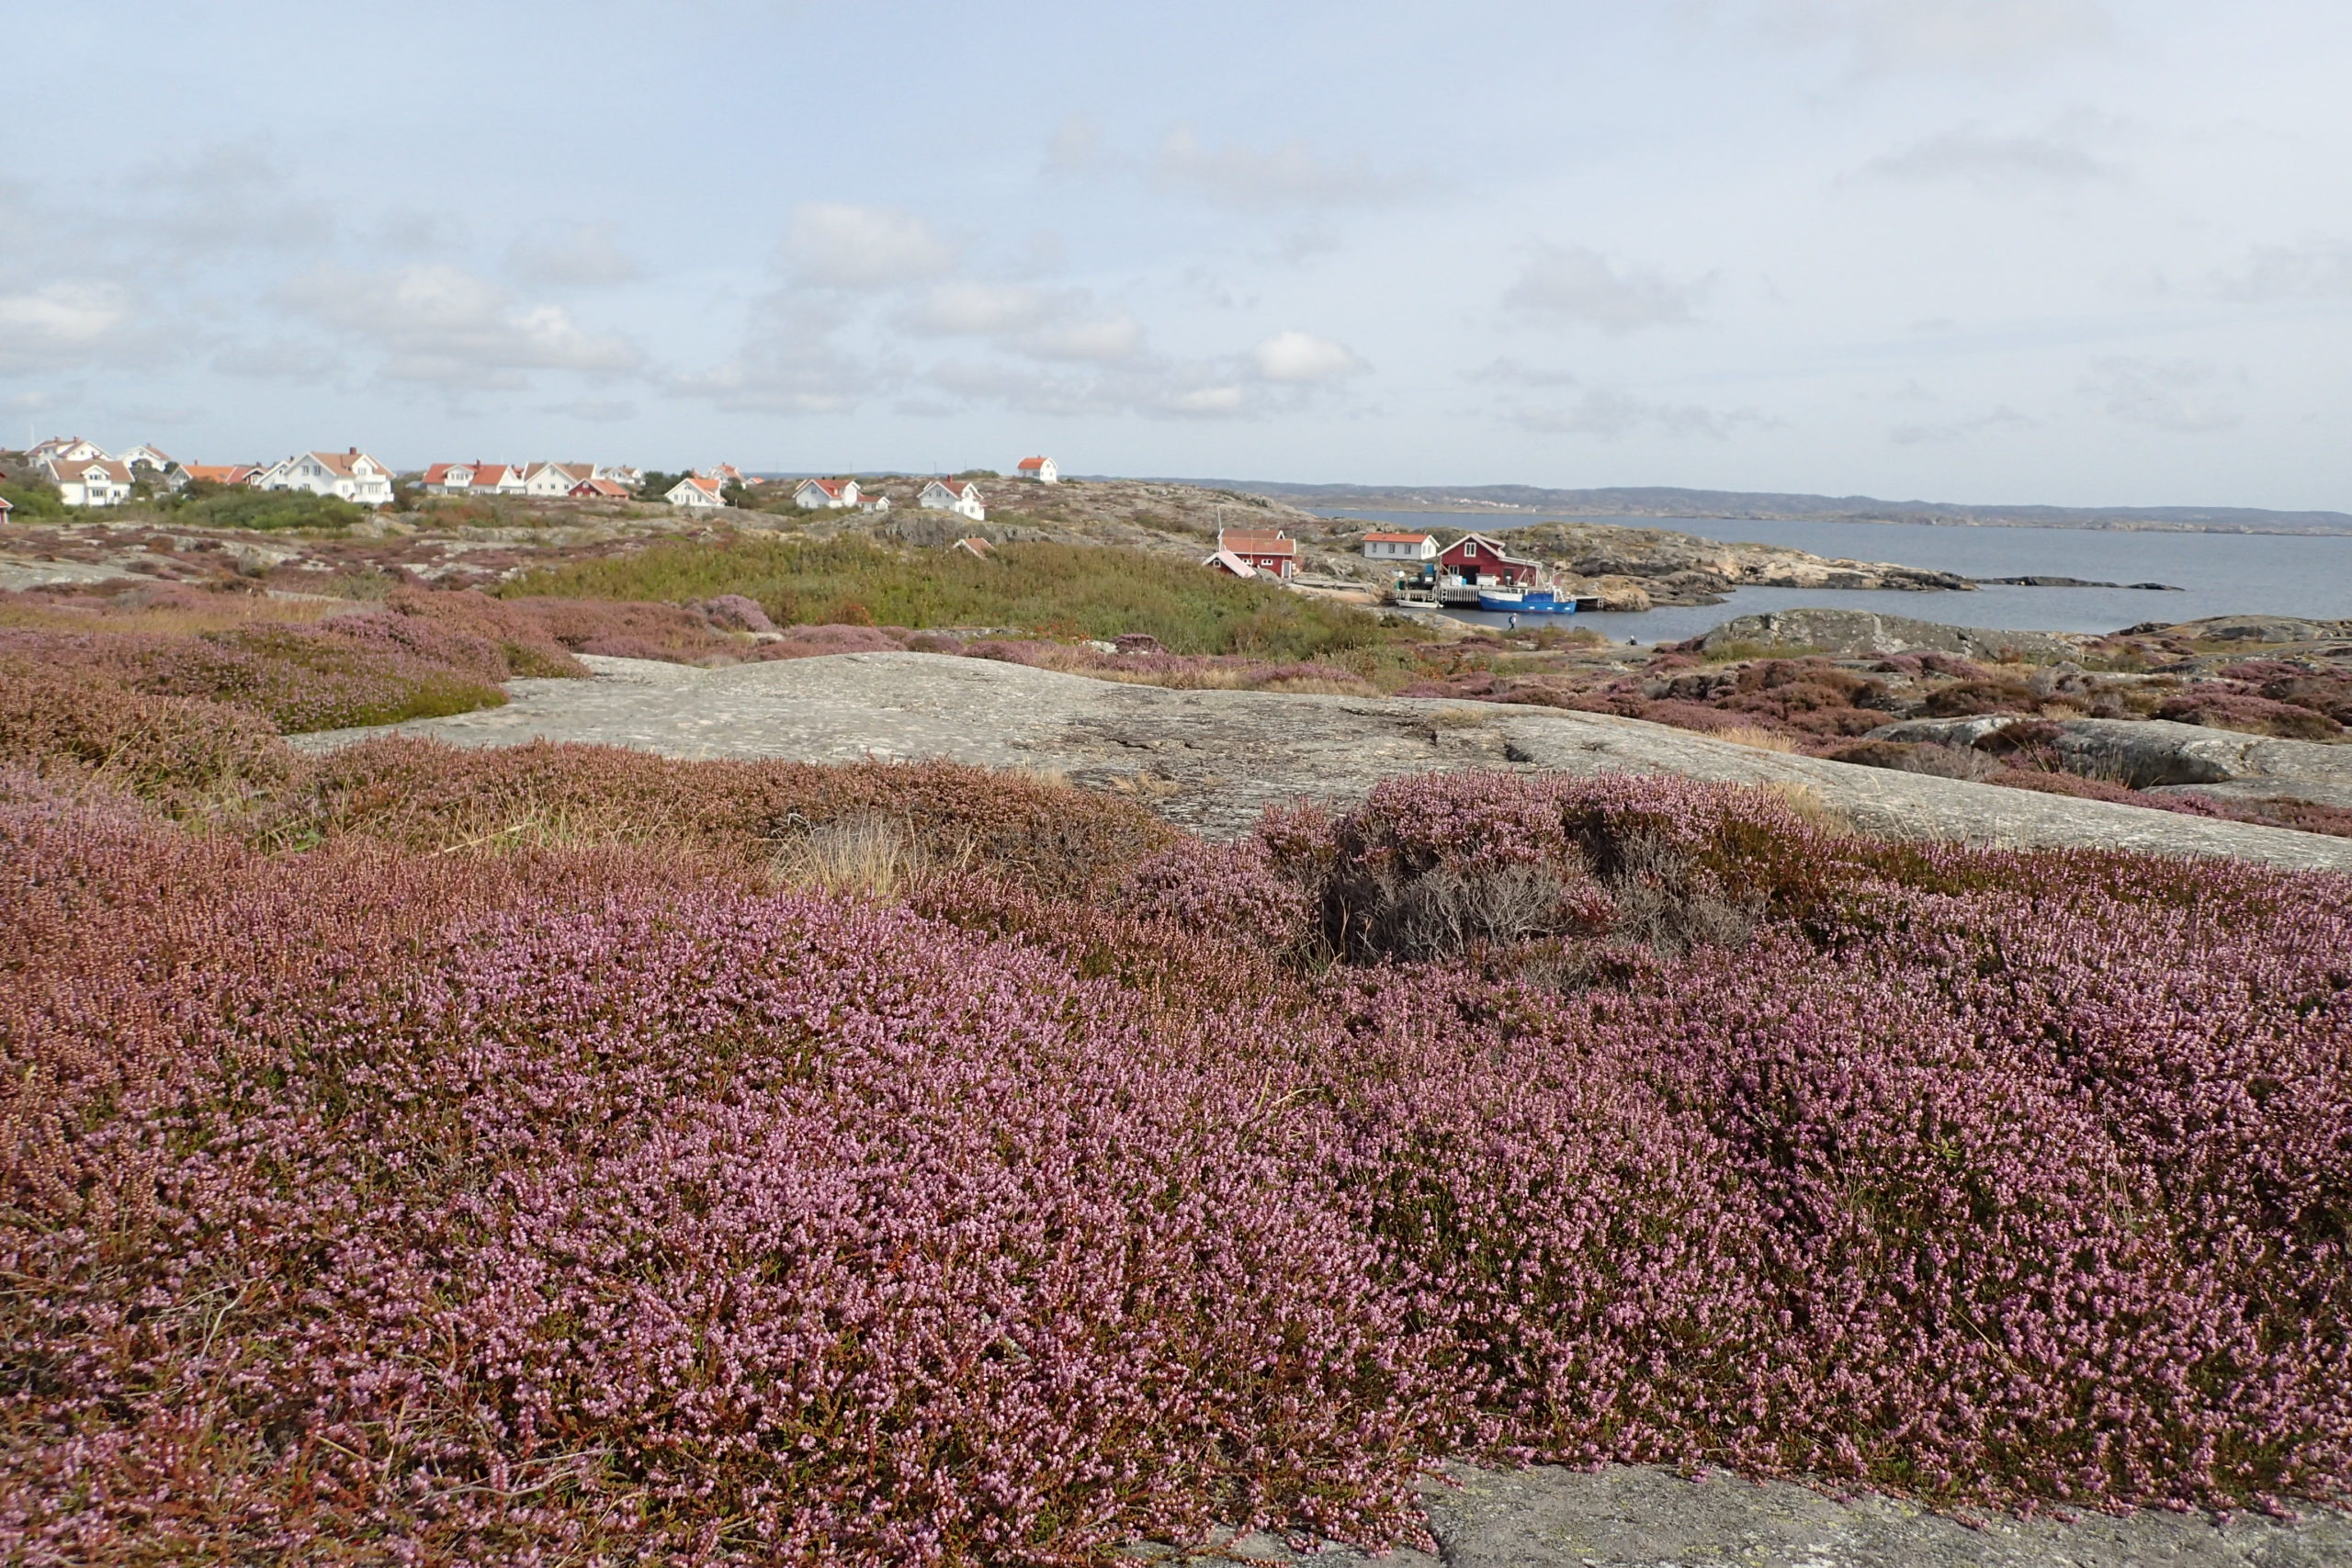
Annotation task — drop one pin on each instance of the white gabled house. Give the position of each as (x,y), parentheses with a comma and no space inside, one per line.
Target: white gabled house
(89,481)
(144,458)
(64,448)
(959,496)
(555,478)
(476,479)
(822,495)
(1400,547)
(349,475)
(1041,470)
(696,491)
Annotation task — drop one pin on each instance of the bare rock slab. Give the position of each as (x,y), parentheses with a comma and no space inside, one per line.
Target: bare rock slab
(1212,760)
(1640,1517)
(2155,753)
(1862,632)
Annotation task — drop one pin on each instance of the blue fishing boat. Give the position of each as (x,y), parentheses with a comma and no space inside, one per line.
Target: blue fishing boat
(1525,602)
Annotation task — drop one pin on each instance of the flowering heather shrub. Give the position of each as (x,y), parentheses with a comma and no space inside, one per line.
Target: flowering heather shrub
(734,613)
(1230,891)
(523,640)
(455,1208)
(300,678)
(1968,699)
(176,750)
(630,629)
(809,642)
(2253,715)
(426,795)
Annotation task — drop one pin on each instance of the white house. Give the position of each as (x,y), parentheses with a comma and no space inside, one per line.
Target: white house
(187,474)
(953,495)
(89,481)
(619,473)
(148,458)
(555,478)
(64,449)
(350,475)
(477,479)
(1400,547)
(1041,470)
(697,492)
(816,495)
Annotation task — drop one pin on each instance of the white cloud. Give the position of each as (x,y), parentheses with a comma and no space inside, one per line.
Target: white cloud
(1270,179)
(2001,417)
(1972,152)
(233,197)
(1941,35)
(2183,397)
(438,324)
(1577,283)
(1104,338)
(790,364)
(2317,268)
(1301,358)
(1605,413)
(964,307)
(832,244)
(599,410)
(280,358)
(66,325)
(1512,372)
(1075,147)
(1610,414)
(1043,323)
(586,256)
(1213,403)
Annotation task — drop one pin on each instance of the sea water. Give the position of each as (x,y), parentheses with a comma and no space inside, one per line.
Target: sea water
(2275,574)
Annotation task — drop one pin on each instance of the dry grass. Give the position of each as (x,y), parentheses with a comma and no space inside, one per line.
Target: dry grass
(177,617)
(1321,687)
(865,855)
(1756,738)
(1816,813)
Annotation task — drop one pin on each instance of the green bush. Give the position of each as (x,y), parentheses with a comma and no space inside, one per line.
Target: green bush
(1057,590)
(29,498)
(233,506)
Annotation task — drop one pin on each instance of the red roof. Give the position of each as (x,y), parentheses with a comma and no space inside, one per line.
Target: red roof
(830,486)
(1032,462)
(1257,543)
(604,488)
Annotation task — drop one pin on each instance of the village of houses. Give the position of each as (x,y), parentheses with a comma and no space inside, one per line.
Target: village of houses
(1474,569)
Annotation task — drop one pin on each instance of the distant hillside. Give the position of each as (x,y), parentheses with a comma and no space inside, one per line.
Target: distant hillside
(1666,501)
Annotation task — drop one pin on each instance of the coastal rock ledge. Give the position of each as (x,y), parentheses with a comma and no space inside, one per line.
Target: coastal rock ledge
(1640,1517)
(1212,760)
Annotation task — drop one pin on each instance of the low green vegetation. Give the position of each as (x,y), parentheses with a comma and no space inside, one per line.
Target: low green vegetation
(28,498)
(1070,591)
(207,505)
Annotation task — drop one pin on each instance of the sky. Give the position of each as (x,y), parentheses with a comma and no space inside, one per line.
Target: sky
(2077,252)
